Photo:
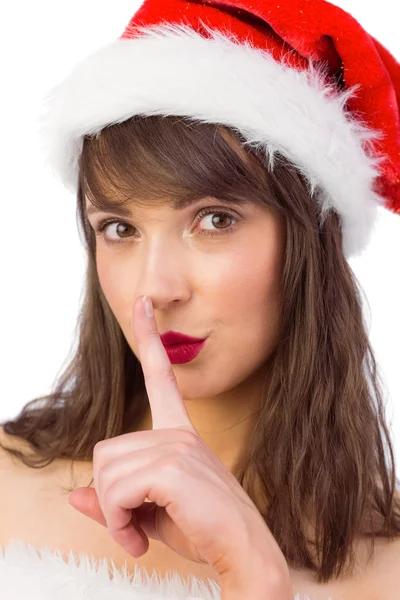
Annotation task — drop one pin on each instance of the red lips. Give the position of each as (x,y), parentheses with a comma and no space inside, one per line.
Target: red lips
(174,337)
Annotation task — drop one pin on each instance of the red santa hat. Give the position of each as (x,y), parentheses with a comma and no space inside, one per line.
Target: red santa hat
(301,77)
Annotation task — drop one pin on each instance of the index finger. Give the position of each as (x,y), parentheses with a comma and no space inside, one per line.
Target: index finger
(167,407)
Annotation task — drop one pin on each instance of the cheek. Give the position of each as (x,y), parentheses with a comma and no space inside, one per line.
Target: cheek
(249,281)
(116,287)
(249,298)
(242,292)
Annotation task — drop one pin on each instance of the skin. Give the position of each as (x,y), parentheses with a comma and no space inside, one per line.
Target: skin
(215,398)
(226,287)
(196,506)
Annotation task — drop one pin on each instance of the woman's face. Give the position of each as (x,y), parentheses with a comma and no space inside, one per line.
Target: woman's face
(225,286)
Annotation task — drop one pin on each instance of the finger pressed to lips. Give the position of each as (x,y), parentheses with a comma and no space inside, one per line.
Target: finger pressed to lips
(167,407)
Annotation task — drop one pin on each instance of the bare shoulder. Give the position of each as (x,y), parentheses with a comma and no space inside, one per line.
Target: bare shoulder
(34,510)
(14,487)
(385,579)
(386,573)
(33,501)
(17,479)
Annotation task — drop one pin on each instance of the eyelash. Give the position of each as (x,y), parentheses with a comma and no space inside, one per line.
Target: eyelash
(100,227)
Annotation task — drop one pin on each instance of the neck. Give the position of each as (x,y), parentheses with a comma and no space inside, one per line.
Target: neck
(224,422)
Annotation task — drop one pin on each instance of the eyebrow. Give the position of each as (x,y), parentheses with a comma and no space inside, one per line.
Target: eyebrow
(177,205)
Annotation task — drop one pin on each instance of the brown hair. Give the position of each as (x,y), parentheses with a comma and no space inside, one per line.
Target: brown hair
(318,450)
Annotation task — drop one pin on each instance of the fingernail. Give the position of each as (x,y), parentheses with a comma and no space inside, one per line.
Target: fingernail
(148,306)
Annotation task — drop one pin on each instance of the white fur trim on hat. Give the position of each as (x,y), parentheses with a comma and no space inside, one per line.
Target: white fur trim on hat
(171,69)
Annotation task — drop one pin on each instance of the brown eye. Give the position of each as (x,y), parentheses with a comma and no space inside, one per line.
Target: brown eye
(121,232)
(218,220)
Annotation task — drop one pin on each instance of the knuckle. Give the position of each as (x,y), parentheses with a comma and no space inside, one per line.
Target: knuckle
(170,466)
(110,495)
(170,375)
(158,374)
(102,474)
(279,579)
(98,448)
(190,438)
(182,447)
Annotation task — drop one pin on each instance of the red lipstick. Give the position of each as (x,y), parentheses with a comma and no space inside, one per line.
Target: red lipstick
(174,337)
(181,348)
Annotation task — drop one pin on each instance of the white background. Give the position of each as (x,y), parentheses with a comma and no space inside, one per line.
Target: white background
(41,256)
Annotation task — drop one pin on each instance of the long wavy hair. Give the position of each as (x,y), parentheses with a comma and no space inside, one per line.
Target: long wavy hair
(319,450)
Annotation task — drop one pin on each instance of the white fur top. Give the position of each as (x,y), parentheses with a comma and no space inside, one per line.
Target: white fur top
(29,573)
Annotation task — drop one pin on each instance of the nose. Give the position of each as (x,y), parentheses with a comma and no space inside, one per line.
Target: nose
(165,276)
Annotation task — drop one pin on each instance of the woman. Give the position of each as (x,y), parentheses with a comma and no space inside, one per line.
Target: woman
(253,455)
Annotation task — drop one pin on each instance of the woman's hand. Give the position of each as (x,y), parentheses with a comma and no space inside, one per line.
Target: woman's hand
(196,506)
